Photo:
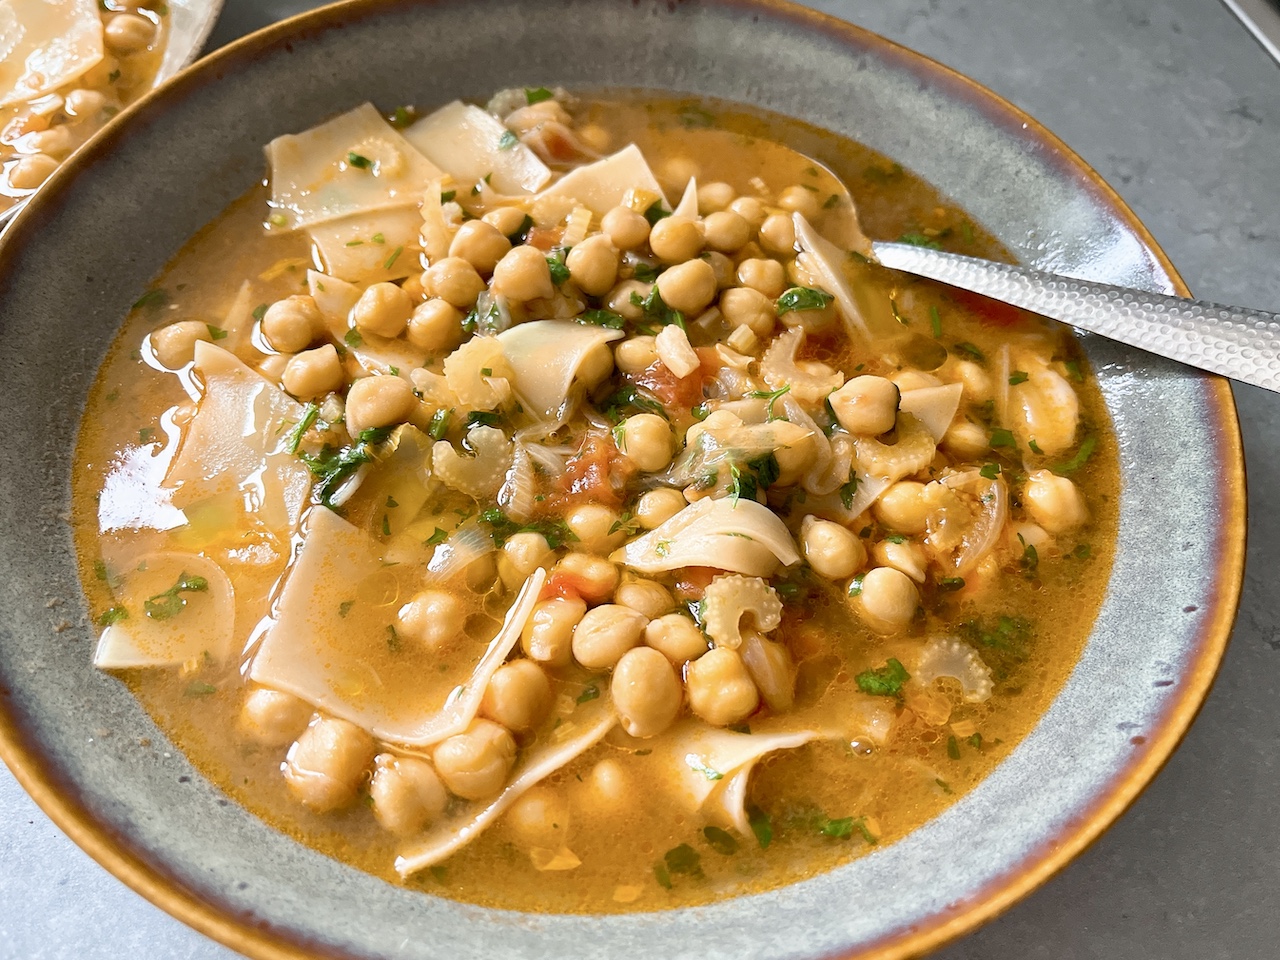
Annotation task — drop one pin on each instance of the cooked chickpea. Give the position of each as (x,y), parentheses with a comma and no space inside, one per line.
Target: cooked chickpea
(831,550)
(765,276)
(866,406)
(676,637)
(455,281)
(645,596)
(915,380)
(273,366)
(548,634)
(436,326)
(174,346)
(595,136)
(29,172)
(431,619)
(474,765)
(406,792)
(594,577)
(1022,535)
(1054,502)
(975,381)
(966,439)
(383,309)
(620,302)
(626,228)
(380,401)
(523,274)
(778,234)
(518,695)
(605,633)
(675,239)
(127,33)
(289,325)
(521,555)
(507,220)
(635,354)
(480,244)
(797,199)
(313,373)
(745,307)
(751,210)
(609,785)
(714,197)
(688,287)
(82,104)
(646,692)
(412,285)
(678,170)
(593,265)
(540,818)
(902,508)
(326,763)
(726,231)
(795,459)
(720,689)
(646,441)
(597,527)
(658,506)
(595,366)
(888,598)
(908,556)
(56,141)
(273,718)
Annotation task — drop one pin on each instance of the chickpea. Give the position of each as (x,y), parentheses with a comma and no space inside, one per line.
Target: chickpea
(507,220)
(966,439)
(548,634)
(605,633)
(273,718)
(679,170)
(915,380)
(518,696)
(625,228)
(620,302)
(635,354)
(56,141)
(436,325)
(908,556)
(474,765)
(751,210)
(646,441)
(595,136)
(432,619)
(29,172)
(127,33)
(1054,502)
(540,818)
(406,792)
(646,692)
(291,324)
(609,785)
(595,366)
(831,550)
(887,597)
(273,366)
(313,373)
(174,346)
(523,274)
(1022,535)
(521,555)
(714,197)
(778,234)
(597,527)
(796,199)
(480,244)
(903,508)
(676,637)
(82,104)
(327,762)
(675,239)
(721,268)
(593,265)
(455,281)
(645,596)
(975,382)
(594,577)
(658,506)
(379,401)
(412,285)
(688,287)
(764,276)
(795,459)
(721,690)
(726,231)
(745,307)
(866,406)
(383,309)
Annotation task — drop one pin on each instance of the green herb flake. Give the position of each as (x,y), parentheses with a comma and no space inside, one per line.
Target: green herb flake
(970,350)
(848,491)
(855,586)
(393,639)
(761,826)
(170,603)
(277,219)
(152,300)
(831,202)
(146,434)
(378,238)
(918,239)
(113,76)
(683,859)
(883,681)
(559,270)
(950,584)
(975,741)
(944,786)
(838,829)
(1034,447)
(990,471)
(803,298)
(438,536)
(1030,559)
(483,418)
(1082,454)
(353,338)
(656,212)
(772,397)
(358,160)
(507,140)
(895,538)
(695,117)
(1082,551)
(114,615)
(402,116)
(198,688)
(1074,371)
(721,841)
(698,765)
(602,318)
(447,196)
(217,333)
(662,875)
(1003,438)
(390,261)
(656,310)
(935,322)
(1018,376)
(345,607)
(953,748)
(555,531)
(534,95)
(439,424)
(522,232)
(310,414)
(259,312)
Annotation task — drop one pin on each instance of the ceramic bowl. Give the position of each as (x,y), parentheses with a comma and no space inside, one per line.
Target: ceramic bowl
(83,251)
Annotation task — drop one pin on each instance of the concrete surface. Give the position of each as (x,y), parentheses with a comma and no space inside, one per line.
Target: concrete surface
(1178,108)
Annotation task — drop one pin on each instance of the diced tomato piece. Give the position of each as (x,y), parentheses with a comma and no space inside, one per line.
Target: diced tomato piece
(678,393)
(545,238)
(694,581)
(567,586)
(991,313)
(598,472)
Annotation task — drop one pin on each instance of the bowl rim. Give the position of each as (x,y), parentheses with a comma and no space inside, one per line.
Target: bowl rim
(57,799)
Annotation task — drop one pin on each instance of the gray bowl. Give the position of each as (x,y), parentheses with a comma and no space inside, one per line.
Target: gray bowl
(76,259)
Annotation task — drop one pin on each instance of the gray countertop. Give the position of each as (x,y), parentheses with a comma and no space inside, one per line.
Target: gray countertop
(1175,105)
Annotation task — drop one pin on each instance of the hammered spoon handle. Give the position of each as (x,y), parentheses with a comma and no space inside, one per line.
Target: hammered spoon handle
(1232,341)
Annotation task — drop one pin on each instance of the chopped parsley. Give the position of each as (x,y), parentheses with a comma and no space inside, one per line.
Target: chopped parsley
(602,318)
(630,397)
(1018,376)
(803,298)
(1034,447)
(761,826)
(559,270)
(990,471)
(333,467)
(488,320)
(693,117)
(969,349)
(918,239)
(953,748)
(199,688)
(683,859)
(534,95)
(393,639)
(592,692)
(948,584)
(884,681)
(438,536)
(698,765)
(259,312)
(353,338)
(152,300)
(345,607)
(1074,372)
(357,160)
(310,414)
(831,202)
(656,212)
(114,615)
(1001,437)
(1030,559)
(848,491)
(170,603)
(483,418)
(556,531)
(521,233)
(447,196)
(657,311)
(1082,455)
(439,424)
(752,476)
(935,322)
(771,397)
(507,140)
(402,116)
(721,841)
(390,262)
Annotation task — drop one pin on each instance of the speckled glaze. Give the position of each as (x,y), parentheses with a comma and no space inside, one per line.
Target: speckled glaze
(77,258)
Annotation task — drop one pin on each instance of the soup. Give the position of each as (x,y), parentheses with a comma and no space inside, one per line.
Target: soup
(67,69)
(550,506)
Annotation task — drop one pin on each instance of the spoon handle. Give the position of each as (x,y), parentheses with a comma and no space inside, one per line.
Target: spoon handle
(1232,341)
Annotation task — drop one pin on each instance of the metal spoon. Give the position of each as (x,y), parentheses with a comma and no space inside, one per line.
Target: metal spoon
(1232,341)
